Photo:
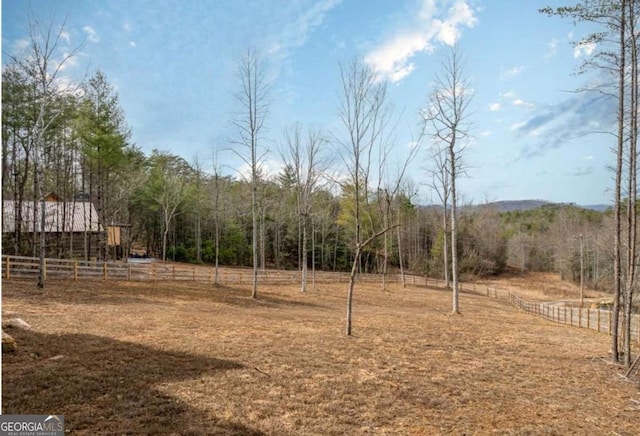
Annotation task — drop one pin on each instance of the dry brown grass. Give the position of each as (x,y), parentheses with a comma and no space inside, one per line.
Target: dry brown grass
(542,287)
(182,358)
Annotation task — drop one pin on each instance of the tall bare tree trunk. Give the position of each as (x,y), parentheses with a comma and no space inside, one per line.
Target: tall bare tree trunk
(446,118)
(632,188)
(43,252)
(617,267)
(445,244)
(400,259)
(362,112)
(454,229)
(249,122)
(304,260)
(254,221)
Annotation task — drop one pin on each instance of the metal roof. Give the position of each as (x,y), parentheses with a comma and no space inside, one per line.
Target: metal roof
(60,216)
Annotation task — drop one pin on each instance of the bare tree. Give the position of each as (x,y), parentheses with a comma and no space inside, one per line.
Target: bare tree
(43,62)
(166,188)
(197,193)
(388,191)
(217,186)
(617,41)
(303,156)
(406,193)
(631,43)
(254,105)
(446,121)
(364,114)
(441,186)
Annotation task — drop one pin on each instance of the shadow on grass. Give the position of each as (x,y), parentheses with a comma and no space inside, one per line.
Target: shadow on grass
(105,386)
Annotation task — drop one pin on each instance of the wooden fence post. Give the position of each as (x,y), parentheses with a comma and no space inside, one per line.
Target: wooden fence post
(174,272)
(589,318)
(580,317)
(75,271)
(194,273)
(104,271)
(571,316)
(45,269)
(598,319)
(128,272)
(8,268)
(609,320)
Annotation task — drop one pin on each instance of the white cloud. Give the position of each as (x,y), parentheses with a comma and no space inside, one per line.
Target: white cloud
(66,36)
(269,168)
(21,44)
(583,49)
(392,58)
(514,100)
(296,34)
(517,126)
(521,103)
(274,49)
(511,72)
(132,44)
(92,35)
(537,132)
(485,134)
(553,48)
(127,27)
(587,158)
(66,61)
(398,75)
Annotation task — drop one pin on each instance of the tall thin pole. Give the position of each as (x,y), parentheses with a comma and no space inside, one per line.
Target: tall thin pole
(581,270)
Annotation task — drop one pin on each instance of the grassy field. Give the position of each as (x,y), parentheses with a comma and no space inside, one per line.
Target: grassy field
(183,358)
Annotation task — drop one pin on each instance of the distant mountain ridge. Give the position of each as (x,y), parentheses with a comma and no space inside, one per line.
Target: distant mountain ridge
(511,205)
(522,205)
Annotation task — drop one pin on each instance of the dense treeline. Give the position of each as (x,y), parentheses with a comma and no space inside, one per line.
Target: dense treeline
(190,212)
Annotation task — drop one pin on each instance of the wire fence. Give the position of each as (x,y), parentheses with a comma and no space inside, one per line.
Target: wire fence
(597,319)
(593,318)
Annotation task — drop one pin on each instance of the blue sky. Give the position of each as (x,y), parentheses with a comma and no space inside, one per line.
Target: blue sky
(173,65)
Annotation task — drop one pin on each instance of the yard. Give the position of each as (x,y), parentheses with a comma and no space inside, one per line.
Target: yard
(187,358)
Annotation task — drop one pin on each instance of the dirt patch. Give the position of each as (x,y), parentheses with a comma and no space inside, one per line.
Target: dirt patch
(186,358)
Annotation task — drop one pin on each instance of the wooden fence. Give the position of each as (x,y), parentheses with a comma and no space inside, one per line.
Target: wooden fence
(599,319)
(28,267)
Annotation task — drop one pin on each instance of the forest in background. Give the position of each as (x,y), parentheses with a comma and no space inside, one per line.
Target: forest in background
(190,212)
(88,151)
